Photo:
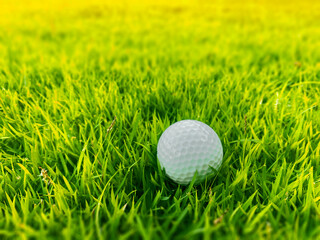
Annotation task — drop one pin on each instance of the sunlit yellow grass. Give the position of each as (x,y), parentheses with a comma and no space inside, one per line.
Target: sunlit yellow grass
(96,25)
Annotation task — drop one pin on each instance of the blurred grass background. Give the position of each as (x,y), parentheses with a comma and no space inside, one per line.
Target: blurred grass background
(68,34)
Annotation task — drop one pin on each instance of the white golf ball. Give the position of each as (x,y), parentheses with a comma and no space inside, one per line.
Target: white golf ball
(187,147)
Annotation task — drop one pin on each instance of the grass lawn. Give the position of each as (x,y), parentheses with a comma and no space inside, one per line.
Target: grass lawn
(88,87)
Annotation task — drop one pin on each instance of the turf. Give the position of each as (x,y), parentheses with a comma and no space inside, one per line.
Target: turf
(87,88)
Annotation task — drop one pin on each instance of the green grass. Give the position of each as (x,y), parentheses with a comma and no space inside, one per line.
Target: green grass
(250,71)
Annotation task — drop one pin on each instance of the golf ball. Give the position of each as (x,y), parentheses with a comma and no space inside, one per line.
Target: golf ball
(187,147)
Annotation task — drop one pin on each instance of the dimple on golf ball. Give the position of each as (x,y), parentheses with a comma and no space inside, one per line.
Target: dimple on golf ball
(187,147)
